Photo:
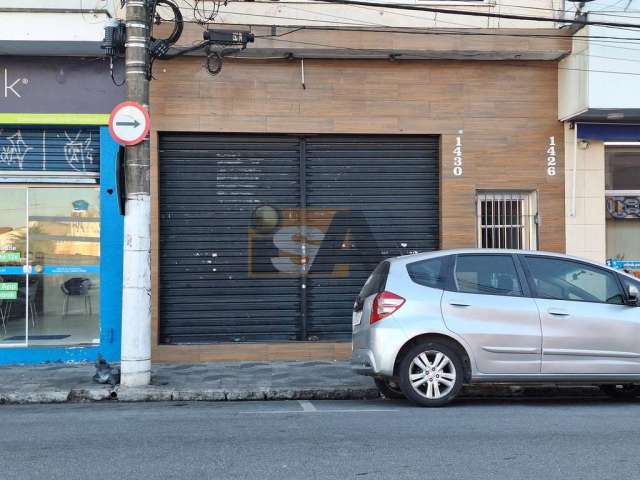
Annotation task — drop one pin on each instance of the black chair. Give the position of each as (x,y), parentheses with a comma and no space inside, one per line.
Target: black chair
(77,287)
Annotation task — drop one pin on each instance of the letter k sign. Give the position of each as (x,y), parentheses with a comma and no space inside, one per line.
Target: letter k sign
(10,87)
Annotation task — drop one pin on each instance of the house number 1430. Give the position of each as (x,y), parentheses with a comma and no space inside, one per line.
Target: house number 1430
(457,158)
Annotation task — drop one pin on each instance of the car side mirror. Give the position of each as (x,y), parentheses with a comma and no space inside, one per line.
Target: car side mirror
(632,295)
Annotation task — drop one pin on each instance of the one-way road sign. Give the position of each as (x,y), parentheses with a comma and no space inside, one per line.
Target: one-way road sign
(129,123)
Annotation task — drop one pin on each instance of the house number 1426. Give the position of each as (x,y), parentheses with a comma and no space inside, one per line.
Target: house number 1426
(457,158)
(551,157)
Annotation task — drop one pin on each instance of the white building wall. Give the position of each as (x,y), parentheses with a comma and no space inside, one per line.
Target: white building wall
(61,27)
(585,215)
(573,81)
(614,90)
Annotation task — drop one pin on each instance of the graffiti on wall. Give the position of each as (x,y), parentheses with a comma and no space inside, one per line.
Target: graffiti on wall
(49,149)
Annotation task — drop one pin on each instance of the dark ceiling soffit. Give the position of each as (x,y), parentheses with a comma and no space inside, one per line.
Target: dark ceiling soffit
(611,132)
(602,116)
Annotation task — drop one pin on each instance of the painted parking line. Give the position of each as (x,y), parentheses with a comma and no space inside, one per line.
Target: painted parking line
(269,412)
(307,406)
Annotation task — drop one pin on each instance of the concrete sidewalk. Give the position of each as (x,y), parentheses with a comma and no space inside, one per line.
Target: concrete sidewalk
(55,383)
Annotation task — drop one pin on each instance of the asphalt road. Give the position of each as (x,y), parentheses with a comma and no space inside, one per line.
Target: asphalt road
(474,439)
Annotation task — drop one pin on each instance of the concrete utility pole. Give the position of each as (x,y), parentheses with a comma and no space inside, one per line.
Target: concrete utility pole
(136,295)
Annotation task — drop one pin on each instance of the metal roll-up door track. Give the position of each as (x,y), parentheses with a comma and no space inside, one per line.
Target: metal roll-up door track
(236,265)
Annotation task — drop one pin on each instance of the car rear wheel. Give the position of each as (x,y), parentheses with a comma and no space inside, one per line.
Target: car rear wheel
(389,388)
(626,391)
(431,374)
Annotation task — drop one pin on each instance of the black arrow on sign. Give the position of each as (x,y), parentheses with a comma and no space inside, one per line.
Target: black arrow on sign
(133,124)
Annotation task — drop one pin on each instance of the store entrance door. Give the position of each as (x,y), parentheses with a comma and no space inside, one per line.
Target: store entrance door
(13,279)
(49,265)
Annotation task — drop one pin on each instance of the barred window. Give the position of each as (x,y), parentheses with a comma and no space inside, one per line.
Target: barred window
(507,220)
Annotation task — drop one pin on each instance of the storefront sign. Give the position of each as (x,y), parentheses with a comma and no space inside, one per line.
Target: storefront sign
(57,84)
(50,270)
(623,207)
(8,286)
(50,149)
(624,265)
(9,257)
(8,294)
(70,269)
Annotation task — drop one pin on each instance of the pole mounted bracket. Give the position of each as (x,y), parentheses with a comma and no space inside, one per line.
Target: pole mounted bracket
(228,38)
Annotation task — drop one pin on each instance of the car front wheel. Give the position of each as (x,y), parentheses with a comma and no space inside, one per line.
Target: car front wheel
(431,374)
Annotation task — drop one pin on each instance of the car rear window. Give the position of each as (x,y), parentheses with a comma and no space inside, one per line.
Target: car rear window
(428,272)
(376,281)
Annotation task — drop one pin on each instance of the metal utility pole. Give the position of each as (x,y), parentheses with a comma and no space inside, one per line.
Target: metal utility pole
(136,296)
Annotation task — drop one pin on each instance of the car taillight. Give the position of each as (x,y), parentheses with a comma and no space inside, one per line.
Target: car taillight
(384,305)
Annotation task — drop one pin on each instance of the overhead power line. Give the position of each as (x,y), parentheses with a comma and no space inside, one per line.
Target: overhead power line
(505,16)
(604,12)
(330,25)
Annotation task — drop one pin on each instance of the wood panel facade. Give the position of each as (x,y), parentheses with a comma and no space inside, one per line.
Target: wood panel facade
(505,113)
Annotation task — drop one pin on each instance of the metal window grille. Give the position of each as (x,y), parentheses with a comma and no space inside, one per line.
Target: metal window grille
(507,220)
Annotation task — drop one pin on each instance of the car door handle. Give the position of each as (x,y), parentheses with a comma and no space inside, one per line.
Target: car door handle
(457,303)
(558,312)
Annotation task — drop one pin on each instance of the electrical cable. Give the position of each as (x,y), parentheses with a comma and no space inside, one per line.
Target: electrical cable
(477,14)
(177,20)
(218,58)
(113,78)
(605,12)
(429,32)
(407,15)
(444,32)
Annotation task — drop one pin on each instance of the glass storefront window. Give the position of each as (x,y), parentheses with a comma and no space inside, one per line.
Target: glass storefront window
(622,168)
(622,182)
(49,265)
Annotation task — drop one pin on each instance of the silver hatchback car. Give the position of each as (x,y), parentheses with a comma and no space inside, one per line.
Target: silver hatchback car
(425,324)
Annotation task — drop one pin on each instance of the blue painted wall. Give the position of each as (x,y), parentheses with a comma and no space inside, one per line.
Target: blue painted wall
(111,238)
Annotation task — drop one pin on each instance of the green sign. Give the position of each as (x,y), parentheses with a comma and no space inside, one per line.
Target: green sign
(9,257)
(9,287)
(8,295)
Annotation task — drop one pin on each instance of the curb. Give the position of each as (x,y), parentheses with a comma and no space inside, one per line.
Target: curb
(167,394)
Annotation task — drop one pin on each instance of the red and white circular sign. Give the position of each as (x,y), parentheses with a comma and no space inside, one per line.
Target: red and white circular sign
(129,123)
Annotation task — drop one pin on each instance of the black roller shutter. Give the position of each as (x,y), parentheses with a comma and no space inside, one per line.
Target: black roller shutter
(378,196)
(210,185)
(384,192)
